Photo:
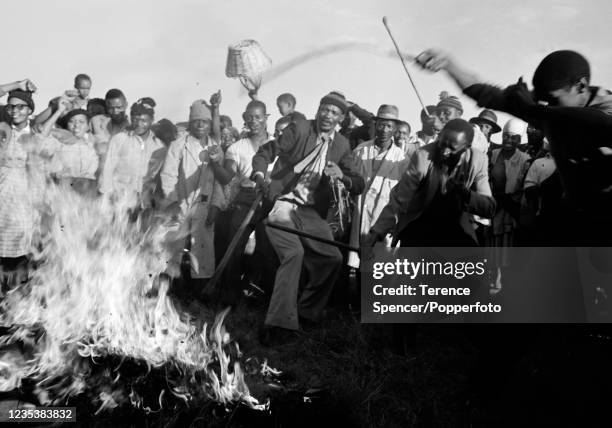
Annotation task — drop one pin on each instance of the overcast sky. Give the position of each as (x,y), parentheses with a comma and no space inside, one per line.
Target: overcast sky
(175,51)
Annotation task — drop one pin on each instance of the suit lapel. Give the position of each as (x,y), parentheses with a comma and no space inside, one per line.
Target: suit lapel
(433,184)
(311,142)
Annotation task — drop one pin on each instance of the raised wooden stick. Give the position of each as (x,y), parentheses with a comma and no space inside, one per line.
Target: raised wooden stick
(399,53)
(309,236)
(212,282)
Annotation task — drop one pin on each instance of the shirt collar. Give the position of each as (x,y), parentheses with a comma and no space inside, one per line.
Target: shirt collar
(148,137)
(322,136)
(25,130)
(380,149)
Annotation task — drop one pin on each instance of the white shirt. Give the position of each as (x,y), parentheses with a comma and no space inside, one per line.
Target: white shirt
(242,152)
(480,142)
(186,173)
(540,170)
(131,163)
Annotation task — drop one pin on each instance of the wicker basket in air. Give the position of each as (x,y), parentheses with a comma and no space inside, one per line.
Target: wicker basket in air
(246,58)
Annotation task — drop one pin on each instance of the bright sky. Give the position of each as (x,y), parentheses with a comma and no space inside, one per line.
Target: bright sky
(175,51)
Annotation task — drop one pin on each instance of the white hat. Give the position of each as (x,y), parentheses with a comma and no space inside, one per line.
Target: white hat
(516,127)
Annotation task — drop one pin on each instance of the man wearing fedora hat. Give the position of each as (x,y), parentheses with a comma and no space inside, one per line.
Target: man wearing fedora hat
(487,123)
(383,164)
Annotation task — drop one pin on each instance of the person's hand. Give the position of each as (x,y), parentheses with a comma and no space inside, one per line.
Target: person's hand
(215,99)
(64,103)
(215,154)
(332,170)
(213,213)
(434,60)
(253,94)
(371,239)
(518,96)
(27,85)
(367,247)
(261,184)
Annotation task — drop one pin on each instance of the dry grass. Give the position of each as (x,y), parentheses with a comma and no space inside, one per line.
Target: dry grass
(367,384)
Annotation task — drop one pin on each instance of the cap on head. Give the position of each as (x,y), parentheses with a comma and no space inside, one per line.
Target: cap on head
(199,111)
(559,69)
(144,105)
(73,113)
(337,99)
(25,96)
(450,101)
(516,127)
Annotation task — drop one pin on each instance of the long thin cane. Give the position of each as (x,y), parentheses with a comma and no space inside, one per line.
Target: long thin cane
(399,53)
(232,246)
(313,237)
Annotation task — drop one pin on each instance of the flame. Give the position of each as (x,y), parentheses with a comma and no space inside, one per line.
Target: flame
(98,291)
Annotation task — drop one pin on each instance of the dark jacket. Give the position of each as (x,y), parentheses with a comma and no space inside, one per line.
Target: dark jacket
(365,132)
(414,193)
(581,144)
(296,116)
(297,140)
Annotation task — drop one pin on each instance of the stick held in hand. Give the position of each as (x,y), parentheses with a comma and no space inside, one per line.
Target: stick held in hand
(399,53)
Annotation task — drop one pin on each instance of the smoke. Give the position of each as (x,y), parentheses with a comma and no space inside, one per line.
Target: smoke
(355,46)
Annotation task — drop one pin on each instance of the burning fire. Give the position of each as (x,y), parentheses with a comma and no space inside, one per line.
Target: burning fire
(95,293)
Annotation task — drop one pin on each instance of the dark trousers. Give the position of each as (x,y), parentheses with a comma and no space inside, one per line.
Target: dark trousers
(222,234)
(256,268)
(321,261)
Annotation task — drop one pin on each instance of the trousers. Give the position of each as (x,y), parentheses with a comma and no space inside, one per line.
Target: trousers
(322,263)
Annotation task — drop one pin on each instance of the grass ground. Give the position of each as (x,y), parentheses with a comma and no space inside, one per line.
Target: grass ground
(364,383)
(449,376)
(348,374)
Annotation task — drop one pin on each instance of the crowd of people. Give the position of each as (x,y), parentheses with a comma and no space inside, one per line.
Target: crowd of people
(347,176)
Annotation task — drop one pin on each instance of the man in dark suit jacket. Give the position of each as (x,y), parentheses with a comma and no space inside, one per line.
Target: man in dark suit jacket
(310,156)
(446,183)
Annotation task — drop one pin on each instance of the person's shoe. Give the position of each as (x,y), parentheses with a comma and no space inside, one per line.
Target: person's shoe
(271,336)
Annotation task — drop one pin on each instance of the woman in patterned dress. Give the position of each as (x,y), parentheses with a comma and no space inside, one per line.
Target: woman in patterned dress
(71,158)
(17,219)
